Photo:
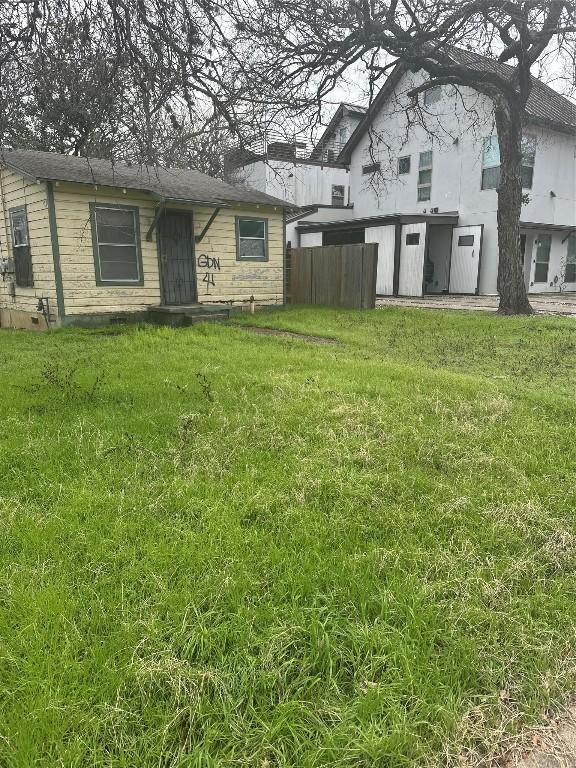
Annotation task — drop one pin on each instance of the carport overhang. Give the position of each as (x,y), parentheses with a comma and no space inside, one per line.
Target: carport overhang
(396,220)
(449,217)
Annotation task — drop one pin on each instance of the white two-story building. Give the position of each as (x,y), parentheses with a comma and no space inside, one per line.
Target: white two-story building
(423,180)
(309,177)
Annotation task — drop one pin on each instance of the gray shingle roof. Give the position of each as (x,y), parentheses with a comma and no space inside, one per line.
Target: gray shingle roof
(544,105)
(169,183)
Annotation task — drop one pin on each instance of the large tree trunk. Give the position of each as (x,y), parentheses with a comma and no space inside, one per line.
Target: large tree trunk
(511,286)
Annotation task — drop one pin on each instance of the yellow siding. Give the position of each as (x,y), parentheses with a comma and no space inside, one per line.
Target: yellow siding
(81,294)
(16,191)
(233,281)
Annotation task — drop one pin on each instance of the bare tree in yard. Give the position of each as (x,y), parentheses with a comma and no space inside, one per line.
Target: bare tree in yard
(304,48)
(144,81)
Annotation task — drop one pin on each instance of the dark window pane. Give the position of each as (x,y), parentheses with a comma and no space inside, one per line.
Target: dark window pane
(424,177)
(425,159)
(491,178)
(570,274)
(366,169)
(337,195)
(115,226)
(466,240)
(343,237)
(19,228)
(423,194)
(541,273)
(433,95)
(543,250)
(118,262)
(403,165)
(23,267)
(413,238)
(527,176)
(252,249)
(252,228)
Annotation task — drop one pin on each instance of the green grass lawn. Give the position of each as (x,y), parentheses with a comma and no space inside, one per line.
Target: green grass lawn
(226,549)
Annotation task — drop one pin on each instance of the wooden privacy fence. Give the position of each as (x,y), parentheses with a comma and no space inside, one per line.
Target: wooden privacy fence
(338,275)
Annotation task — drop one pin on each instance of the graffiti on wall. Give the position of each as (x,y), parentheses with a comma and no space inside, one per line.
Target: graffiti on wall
(211,266)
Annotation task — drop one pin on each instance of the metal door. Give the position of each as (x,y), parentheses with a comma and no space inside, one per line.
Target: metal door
(465,260)
(176,251)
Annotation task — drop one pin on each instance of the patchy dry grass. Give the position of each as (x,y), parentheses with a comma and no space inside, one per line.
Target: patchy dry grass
(229,549)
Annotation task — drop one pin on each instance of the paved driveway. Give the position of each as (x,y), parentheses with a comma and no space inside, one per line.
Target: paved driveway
(543,303)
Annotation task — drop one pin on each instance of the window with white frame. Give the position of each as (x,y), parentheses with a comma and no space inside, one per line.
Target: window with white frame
(251,239)
(425,176)
(116,244)
(570,269)
(432,95)
(403,165)
(543,244)
(491,162)
(338,195)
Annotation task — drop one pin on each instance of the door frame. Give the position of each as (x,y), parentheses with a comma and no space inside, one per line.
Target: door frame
(477,290)
(429,226)
(189,213)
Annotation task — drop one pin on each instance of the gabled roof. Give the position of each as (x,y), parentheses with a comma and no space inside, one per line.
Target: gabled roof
(344,108)
(164,183)
(545,106)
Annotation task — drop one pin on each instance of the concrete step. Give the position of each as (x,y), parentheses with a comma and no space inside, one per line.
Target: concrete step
(187,315)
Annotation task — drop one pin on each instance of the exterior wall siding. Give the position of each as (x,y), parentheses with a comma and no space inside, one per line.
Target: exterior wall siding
(220,277)
(457,171)
(81,294)
(298,183)
(236,280)
(21,311)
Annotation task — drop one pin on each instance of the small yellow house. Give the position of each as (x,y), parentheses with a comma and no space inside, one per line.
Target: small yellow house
(85,241)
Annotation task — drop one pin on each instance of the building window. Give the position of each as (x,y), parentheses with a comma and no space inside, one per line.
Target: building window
(542,258)
(413,238)
(432,95)
(466,240)
(570,271)
(116,244)
(491,162)
(403,165)
(425,176)
(373,168)
(528,159)
(251,239)
(343,135)
(338,195)
(21,247)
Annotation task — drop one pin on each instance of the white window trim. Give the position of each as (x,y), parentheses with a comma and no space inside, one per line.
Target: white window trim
(428,184)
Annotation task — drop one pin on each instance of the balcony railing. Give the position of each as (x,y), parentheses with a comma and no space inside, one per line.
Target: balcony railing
(278,147)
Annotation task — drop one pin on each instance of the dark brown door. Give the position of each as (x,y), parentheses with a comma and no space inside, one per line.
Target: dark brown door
(176,246)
